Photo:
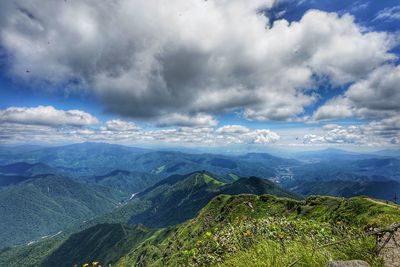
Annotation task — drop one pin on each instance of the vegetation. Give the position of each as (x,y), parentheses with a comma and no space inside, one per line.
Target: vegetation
(179,197)
(267,231)
(229,231)
(45,205)
(126,182)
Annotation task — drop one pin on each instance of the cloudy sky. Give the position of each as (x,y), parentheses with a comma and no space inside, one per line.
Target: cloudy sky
(206,73)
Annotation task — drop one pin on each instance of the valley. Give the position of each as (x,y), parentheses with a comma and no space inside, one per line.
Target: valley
(151,210)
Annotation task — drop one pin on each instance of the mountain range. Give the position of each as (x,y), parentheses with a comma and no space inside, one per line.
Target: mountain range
(129,206)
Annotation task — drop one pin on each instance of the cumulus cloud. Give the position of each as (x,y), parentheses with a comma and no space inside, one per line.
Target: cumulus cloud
(375,96)
(376,132)
(241,134)
(336,134)
(46,115)
(338,107)
(150,58)
(197,120)
(120,125)
(233,129)
(118,131)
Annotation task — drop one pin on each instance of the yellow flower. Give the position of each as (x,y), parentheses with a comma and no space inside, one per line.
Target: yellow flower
(208,234)
(247,233)
(281,235)
(95,263)
(86,265)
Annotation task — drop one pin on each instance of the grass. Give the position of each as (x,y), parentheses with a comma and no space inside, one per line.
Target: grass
(248,230)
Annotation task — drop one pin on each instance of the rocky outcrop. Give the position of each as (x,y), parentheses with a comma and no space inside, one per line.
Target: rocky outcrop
(353,263)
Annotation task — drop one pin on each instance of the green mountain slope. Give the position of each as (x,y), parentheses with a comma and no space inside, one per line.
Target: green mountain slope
(267,231)
(126,182)
(180,197)
(103,242)
(45,205)
(171,201)
(229,231)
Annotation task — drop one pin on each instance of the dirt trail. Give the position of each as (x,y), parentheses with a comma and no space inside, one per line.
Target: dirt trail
(383,203)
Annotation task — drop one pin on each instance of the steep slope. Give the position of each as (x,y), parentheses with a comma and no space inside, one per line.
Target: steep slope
(168,202)
(127,182)
(228,231)
(268,231)
(105,243)
(180,197)
(45,205)
(256,186)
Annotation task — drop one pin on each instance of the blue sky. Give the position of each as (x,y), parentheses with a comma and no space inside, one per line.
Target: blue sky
(280,73)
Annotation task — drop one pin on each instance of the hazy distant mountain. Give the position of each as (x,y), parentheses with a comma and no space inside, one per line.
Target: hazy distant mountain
(82,159)
(16,173)
(99,159)
(388,153)
(385,190)
(339,169)
(330,154)
(27,169)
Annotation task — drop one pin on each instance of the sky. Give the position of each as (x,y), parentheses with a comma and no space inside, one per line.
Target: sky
(253,74)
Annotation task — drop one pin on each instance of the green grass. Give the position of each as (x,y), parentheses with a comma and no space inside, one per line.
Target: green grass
(250,230)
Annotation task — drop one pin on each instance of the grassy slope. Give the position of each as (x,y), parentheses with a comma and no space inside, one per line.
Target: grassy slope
(180,197)
(171,201)
(267,231)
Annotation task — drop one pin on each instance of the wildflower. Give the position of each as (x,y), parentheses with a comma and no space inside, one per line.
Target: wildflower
(86,265)
(208,234)
(95,263)
(281,235)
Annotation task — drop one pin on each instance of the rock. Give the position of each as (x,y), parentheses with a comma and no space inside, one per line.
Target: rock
(353,263)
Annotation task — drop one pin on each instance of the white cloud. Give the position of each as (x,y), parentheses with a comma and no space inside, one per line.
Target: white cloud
(119,125)
(118,131)
(233,129)
(46,115)
(338,135)
(241,134)
(337,107)
(374,133)
(152,58)
(375,96)
(389,13)
(198,120)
